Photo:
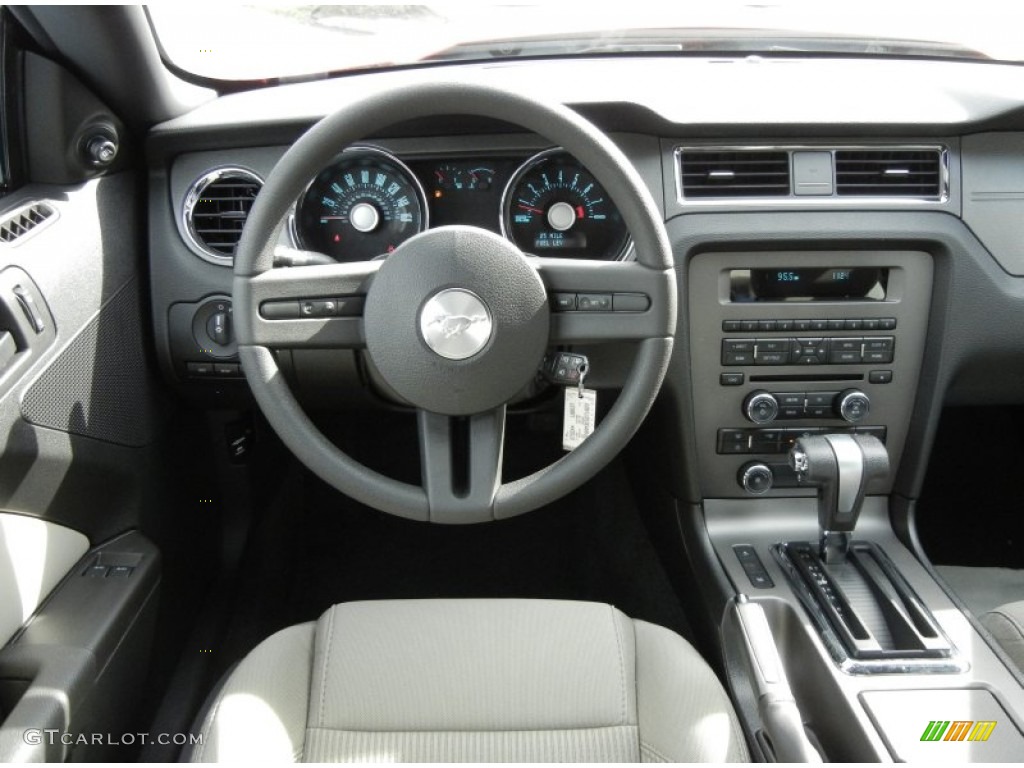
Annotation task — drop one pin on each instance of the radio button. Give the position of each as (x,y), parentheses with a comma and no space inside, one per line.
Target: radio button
(731,379)
(766,325)
(854,325)
(791,398)
(784,325)
(880,377)
(819,325)
(748,325)
(885,343)
(870,324)
(802,325)
(836,325)
(733,441)
(817,399)
(733,326)
(845,357)
(887,324)
(850,344)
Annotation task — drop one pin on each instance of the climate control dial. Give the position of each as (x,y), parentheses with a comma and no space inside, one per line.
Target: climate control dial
(853,405)
(761,407)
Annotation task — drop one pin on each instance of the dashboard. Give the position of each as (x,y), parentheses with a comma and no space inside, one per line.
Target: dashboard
(844,263)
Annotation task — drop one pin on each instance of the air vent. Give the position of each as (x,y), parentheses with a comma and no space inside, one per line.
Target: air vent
(216,209)
(913,173)
(734,173)
(26,219)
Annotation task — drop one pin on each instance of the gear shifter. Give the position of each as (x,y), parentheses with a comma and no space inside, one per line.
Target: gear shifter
(840,466)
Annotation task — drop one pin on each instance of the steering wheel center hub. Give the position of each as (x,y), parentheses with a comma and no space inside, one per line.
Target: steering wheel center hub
(457,321)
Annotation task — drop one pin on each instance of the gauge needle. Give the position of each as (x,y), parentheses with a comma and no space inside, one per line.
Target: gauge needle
(333,218)
(531,210)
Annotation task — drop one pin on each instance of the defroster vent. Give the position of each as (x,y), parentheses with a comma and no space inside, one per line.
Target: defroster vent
(216,208)
(915,173)
(734,173)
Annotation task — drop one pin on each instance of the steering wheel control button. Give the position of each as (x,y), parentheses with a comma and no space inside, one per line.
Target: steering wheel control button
(563,302)
(594,302)
(318,308)
(279,310)
(456,324)
(457,321)
(631,302)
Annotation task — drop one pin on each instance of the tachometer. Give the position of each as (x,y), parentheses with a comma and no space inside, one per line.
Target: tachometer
(366,203)
(553,206)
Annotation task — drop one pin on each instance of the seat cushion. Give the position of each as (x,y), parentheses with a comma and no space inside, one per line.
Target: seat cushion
(472,680)
(1006,623)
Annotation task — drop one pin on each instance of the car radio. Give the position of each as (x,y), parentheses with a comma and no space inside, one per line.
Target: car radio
(785,344)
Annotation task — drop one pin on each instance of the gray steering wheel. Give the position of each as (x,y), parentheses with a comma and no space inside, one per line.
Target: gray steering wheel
(482,275)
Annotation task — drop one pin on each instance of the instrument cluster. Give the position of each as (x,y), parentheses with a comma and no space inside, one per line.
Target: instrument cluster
(368,201)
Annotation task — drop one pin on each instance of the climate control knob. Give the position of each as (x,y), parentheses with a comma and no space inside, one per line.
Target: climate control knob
(756,478)
(853,405)
(761,407)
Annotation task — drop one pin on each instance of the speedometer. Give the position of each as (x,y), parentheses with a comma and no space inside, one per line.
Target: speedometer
(365,204)
(553,206)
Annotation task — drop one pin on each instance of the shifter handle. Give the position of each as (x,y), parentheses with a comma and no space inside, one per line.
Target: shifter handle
(840,466)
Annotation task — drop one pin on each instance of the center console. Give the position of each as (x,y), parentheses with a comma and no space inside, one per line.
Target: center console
(786,344)
(840,643)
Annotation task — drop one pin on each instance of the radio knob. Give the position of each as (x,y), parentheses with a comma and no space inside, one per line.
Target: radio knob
(756,478)
(761,407)
(853,405)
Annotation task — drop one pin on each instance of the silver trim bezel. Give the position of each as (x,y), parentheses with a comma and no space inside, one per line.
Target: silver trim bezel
(813,201)
(627,253)
(192,197)
(293,224)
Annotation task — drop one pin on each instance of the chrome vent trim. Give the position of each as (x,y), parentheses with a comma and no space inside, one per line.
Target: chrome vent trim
(215,211)
(913,173)
(729,173)
(927,177)
(27,220)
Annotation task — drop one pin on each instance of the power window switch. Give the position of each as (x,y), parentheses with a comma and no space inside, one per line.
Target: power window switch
(96,572)
(120,571)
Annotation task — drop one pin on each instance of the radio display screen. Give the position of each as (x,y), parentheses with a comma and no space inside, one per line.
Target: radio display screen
(808,284)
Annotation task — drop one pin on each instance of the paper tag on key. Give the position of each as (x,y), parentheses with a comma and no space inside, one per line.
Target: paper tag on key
(580,416)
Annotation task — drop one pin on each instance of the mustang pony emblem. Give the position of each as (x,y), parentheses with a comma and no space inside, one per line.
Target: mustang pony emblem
(453,325)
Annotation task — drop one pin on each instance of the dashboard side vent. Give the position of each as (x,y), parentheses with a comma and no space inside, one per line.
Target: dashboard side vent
(216,209)
(916,173)
(25,220)
(734,173)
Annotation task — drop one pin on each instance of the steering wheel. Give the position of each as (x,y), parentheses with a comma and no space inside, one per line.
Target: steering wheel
(459,380)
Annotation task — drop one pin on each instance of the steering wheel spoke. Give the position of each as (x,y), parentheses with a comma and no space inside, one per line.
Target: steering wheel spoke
(314,307)
(608,301)
(460,460)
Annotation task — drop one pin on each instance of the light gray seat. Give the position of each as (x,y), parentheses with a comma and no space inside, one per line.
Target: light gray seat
(1006,623)
(472,680)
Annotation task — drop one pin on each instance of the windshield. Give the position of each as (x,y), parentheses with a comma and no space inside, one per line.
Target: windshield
(258,42)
